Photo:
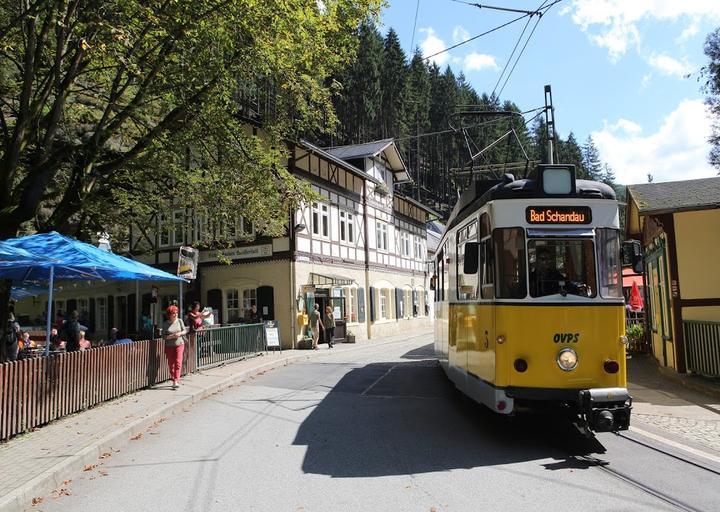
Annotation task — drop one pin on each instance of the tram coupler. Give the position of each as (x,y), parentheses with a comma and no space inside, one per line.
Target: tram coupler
(605,409)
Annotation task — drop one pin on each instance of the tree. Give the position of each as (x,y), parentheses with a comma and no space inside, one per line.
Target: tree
(110,110)
(393,76)
(591,160)
(711,74)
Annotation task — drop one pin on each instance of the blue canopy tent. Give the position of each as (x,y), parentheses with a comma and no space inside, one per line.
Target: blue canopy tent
(10,254)
(55,256)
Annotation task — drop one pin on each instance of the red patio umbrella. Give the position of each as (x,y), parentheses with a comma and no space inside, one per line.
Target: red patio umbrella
(636,301)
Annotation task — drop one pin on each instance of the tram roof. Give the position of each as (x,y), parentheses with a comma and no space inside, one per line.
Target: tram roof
(484,191)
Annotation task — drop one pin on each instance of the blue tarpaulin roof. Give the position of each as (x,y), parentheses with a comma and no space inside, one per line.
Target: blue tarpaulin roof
(72,259)
(11,254)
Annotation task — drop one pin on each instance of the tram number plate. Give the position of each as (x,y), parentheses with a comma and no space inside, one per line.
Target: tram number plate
(558,215)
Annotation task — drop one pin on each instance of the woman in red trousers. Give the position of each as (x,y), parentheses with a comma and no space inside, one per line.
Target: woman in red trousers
(173,332)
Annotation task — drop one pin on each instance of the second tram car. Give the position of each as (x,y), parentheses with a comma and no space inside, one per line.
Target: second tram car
(528,297)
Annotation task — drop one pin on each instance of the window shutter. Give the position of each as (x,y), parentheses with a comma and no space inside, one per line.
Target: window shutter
(398,303)
(361,305)
(371,294)
(110,314)
(132,320)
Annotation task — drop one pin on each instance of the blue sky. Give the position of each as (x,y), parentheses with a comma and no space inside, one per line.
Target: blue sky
(618,70)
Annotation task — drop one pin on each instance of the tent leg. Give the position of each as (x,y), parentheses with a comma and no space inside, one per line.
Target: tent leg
(48,323)
(137,306)
(180,299)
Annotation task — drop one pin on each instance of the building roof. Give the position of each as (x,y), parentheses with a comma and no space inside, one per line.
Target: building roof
(372,150)
(672,196)
(418,204)
(342,163)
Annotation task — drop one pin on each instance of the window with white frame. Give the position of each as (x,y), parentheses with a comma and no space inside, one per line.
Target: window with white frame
(163,230)
(321,220)
(233,305)
(381,232)
(418,247)
(407,303)
(405,243)
(83,307)
(419,305)
(200,223)
(347,228)
(101,314)
(385,304)
(351,303)
(249,298)
(178,234)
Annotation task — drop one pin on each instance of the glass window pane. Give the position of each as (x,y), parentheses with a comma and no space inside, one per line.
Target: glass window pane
(608,247)
(510,263)
(565,267)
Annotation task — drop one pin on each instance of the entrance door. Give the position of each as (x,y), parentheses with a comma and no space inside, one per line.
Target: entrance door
(266,302)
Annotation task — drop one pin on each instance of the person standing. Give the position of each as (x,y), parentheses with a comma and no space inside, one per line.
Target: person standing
(72,333)
(196,316)
(315,325)
(254,316)
(173,332)
(12,337)
(329,326)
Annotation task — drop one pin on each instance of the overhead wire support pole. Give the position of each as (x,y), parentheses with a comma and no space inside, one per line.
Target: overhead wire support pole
(550,124)
(495,8)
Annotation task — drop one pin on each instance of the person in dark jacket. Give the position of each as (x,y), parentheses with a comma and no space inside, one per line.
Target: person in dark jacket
(72,332)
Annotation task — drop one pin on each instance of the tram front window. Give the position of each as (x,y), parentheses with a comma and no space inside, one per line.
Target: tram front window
(565,267)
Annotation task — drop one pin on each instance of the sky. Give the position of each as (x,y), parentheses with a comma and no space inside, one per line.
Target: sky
(625,72)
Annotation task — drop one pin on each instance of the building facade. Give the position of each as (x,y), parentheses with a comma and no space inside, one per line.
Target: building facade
(359,248)
(677,223)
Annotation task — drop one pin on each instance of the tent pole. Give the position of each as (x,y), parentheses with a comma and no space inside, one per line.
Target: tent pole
(180,299)
(137,306)
(49,311)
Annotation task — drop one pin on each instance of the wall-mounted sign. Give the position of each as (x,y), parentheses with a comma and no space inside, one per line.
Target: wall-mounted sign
(558,215)
(187,262)
(238,253)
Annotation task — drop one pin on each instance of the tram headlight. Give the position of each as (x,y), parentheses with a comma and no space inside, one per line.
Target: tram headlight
(567,359)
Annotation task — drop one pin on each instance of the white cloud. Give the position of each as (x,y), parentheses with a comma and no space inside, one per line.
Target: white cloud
(433,44)
(646,79)
(669,66)
(677,151)
(478,61)
(460,34)
(689,31)
(613,24)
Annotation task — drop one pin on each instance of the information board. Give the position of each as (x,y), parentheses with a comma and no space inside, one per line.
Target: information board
(272,334)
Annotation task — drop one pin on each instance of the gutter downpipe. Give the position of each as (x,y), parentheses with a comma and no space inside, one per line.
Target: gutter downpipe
(368,302)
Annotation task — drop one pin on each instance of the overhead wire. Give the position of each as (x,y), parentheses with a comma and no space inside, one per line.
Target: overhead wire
(412,41)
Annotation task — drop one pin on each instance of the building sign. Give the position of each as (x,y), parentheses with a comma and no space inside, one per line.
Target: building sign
(187,262)
(558,215)
(272,334)
(238,253)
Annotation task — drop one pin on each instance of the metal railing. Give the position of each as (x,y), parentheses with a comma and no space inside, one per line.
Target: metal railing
(702,347)
(218,345)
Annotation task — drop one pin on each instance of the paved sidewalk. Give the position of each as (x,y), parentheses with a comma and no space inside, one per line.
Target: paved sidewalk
(664,407)
(40,462)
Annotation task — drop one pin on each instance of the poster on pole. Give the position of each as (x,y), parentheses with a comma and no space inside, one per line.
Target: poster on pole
(187,262)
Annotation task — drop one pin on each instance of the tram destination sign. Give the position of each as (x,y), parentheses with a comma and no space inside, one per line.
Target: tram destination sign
(558,215)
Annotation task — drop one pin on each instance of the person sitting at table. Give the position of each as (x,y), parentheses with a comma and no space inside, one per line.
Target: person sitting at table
(84,344)
(25,342)
(55,342)
(122,338)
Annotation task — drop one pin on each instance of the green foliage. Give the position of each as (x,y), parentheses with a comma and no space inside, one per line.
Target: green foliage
(635,333)
(711,74)
(113,110)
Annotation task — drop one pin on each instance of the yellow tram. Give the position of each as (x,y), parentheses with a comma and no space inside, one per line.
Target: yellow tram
(528,297)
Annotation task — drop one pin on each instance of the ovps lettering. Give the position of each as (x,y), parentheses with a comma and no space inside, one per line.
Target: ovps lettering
(566,337)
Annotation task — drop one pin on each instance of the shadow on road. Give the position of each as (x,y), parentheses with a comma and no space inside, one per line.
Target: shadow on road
(405,417)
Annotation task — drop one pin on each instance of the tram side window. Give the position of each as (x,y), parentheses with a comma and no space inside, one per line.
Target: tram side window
(608,247)
(487,262)
(510,263)
(467,284)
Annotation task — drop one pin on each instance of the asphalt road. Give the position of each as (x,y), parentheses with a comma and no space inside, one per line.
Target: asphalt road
(379,429)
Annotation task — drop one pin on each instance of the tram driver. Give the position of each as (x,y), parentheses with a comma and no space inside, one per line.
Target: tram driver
(545,279)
